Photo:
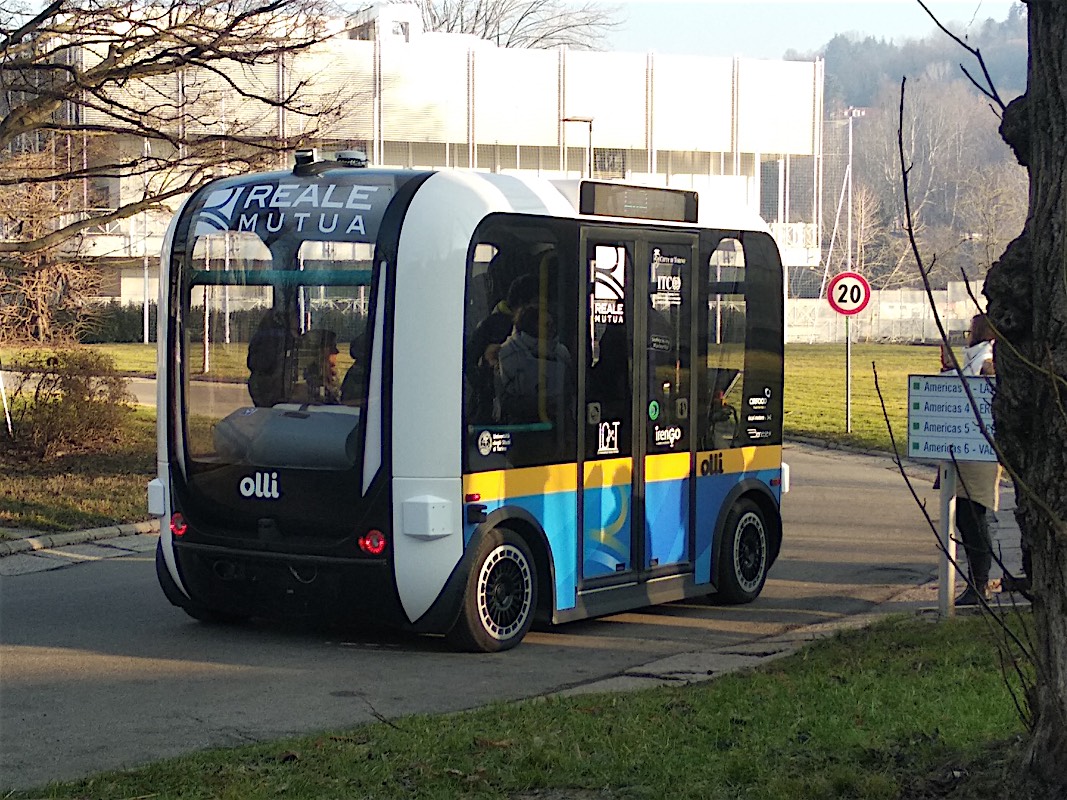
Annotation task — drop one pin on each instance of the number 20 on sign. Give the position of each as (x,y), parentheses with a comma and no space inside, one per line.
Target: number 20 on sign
(848,293)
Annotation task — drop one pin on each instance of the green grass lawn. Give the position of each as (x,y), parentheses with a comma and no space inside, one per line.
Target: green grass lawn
(887,712)
(78,491)
(815,391)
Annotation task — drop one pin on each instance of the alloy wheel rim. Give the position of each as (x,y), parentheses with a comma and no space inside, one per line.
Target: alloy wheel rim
(505,587)
(750,551)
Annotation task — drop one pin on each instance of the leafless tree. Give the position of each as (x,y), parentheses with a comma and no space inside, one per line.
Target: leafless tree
(962,182)
(995,211)
(524,23)
(122,107)
(40,290)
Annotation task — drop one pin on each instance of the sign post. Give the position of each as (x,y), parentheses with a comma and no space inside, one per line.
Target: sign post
(848,293)
(943,427)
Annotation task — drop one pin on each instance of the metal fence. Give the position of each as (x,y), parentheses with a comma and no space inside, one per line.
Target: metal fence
(893,315)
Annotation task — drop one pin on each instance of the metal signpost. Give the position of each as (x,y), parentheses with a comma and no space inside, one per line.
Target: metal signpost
(943,426)
(848,294)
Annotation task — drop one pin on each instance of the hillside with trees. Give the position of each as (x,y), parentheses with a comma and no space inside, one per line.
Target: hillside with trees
(858,65)
(968,193)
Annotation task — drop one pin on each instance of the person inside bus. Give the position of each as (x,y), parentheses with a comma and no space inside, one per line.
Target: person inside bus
(722,420)
(486,341)
(318,361)
(270,353)
(354,384)
(533,370)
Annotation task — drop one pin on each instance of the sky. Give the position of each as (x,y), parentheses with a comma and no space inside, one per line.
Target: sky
(767,28)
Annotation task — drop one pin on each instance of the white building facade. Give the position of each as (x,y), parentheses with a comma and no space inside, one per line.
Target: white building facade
(424,100)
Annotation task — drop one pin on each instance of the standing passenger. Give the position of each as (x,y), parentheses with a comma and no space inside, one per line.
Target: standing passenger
(978,484)
(485,342)
(532,370)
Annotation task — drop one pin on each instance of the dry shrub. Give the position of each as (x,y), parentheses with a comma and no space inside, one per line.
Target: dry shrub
(66,401)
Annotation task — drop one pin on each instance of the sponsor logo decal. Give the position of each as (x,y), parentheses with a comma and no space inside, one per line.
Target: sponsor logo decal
(608,274)
(270,208)
(668,436)
(489,443)
(609,438)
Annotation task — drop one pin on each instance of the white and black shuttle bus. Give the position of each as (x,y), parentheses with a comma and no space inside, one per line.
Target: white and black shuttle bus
(457,402)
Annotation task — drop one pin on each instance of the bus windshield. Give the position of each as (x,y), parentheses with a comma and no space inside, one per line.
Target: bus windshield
(275,351)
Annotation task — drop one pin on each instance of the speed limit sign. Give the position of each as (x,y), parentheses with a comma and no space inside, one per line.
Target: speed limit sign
(848,293)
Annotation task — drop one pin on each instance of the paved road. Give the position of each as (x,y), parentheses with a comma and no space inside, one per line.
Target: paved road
(216,399)
(99,671)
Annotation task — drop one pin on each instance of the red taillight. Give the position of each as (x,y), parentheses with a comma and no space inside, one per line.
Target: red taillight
(178,525)
(474,497)
(373,542)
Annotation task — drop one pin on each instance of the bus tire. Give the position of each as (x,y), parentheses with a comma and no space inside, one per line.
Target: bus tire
(500,596)
(745,554)
(196,610)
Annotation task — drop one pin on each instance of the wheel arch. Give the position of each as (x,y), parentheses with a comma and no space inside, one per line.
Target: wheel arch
(761,495)
(524,525)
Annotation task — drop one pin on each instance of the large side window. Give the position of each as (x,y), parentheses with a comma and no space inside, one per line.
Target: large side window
(520,344)
(668,346)
(739,398)
(609,373)
(720,391)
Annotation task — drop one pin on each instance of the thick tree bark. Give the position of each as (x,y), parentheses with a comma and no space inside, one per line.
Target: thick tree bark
(1027,292)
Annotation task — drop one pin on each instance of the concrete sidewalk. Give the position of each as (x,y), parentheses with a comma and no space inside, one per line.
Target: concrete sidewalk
(24,551)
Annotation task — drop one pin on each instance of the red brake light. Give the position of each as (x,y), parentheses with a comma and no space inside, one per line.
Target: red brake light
(474,497)
(178,525)
(373,542)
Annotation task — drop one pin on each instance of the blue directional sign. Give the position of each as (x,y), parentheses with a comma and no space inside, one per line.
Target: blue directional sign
(941,420)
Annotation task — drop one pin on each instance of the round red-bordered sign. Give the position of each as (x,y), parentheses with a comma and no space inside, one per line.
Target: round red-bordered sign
(848,293)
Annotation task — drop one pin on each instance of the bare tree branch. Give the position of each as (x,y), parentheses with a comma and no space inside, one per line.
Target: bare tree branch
(538,24)
(16,36)
(989,90)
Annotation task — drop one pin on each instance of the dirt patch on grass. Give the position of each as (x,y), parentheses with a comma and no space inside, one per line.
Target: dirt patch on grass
(993,774)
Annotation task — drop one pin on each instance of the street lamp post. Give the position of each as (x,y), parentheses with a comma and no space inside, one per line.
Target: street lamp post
(852,114)
(587,121)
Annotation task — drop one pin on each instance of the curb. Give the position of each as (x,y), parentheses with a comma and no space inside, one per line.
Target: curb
(67,538)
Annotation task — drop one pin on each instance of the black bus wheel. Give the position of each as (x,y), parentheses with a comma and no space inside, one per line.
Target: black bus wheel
(743,559)
(500,596)
(196,610)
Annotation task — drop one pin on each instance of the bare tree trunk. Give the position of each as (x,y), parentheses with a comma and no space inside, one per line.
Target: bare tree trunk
(1027,291)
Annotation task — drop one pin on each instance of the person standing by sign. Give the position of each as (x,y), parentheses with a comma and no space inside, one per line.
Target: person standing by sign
(978,484)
